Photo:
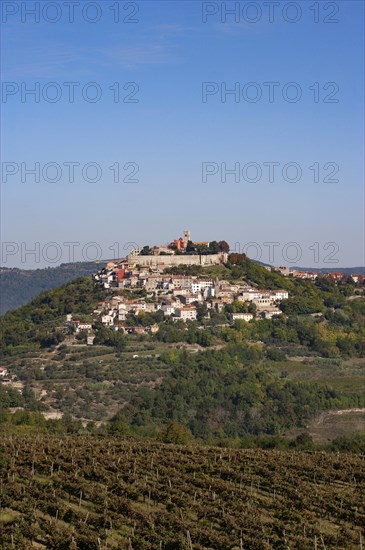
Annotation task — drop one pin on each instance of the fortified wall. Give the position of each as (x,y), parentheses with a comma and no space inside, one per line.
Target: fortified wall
(179,259)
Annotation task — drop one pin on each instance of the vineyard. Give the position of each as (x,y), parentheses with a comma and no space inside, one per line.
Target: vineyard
(85,492)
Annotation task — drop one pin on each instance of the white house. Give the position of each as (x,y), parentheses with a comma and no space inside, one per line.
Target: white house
(209,292)
(280,294)
(186,314)
(241,316)
(284,270)
(191,298)
(269,314)
(198,286)
(83,326)
(182,281)
(151,307)
(180,291)
(357,278)
(90,339)
(168,309)
(263,297)
(135,252)
(107,320)
(217,305)
(249,295)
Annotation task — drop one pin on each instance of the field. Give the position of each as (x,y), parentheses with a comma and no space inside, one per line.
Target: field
(346,375)
(331,424)
(79,492)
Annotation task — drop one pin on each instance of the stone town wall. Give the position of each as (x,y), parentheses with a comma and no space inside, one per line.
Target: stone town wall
(179,259)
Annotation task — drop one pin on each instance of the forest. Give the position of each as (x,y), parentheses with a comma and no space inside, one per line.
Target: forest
(229,393)
(18,286)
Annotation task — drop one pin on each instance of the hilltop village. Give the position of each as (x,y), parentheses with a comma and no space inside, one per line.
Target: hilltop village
(144,283)
(173,296)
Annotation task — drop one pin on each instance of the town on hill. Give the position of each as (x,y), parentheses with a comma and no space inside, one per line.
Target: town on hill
(180,297)
(174,296)
(18,286)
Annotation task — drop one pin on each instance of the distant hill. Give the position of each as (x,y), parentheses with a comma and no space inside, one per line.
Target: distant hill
(18,286)
(345,270)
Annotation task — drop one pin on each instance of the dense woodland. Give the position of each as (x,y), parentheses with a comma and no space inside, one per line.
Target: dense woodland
(232,393)
(40,323)
(18,286)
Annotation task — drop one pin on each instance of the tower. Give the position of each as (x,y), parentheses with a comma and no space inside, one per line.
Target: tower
(186,236)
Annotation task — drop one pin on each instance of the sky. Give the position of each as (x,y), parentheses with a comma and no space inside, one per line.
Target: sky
(240,121)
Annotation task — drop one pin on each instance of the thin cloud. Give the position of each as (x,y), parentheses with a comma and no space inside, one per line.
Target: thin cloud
(59,60)
(132,56)
(48,61)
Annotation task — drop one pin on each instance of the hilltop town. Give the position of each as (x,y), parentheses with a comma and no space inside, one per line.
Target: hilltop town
(172,296)
(144,285)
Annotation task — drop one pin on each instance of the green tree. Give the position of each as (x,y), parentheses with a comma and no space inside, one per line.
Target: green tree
(176,433)
(214,247)
(275,354)
(146,251)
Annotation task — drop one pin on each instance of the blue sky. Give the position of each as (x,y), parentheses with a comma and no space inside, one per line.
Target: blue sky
(169,133)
